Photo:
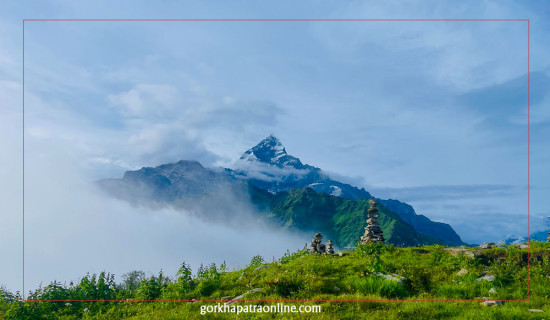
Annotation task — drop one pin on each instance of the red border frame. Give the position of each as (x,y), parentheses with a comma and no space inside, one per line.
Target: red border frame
(281,20)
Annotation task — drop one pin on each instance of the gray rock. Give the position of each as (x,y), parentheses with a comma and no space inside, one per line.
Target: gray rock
(316,244)
(462,272)
(392,277)
(462,251)
(456,251)
(487,245)
(237,298)
(523,246)
(373,232)
(473,254)
(535,310)
(492,290)
(488,277)
(261,268)
(491,303)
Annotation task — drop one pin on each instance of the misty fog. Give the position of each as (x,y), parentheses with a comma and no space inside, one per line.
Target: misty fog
(71,228)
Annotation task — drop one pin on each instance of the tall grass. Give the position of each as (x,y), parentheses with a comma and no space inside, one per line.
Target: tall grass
(379,286)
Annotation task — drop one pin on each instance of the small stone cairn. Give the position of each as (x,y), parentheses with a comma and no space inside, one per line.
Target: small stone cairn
(330,247)
(373,232)
(316,244)
(548,239)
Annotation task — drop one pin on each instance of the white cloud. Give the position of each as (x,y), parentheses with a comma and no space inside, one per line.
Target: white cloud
(164,123)
(146,100)
(455,55)
(262,171)
(71,229)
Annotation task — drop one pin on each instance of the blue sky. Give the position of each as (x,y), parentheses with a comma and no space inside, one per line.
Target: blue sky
(432,113)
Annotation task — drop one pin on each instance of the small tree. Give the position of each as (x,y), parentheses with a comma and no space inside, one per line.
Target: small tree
(257,260)
(184,277)
(152,288)
(209,278)
(132,279)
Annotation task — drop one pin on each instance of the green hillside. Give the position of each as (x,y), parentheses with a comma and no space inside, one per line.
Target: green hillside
(341,220)
(352,285)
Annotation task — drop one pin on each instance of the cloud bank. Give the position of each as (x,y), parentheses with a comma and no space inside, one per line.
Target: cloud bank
(72,229)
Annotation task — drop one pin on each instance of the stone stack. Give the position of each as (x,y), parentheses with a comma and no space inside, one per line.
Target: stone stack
(548,239)
(373,232)
(330,247)
(316,244)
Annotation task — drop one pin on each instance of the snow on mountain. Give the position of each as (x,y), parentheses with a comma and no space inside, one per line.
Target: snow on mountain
(269,151)
(268,161)
(336,191)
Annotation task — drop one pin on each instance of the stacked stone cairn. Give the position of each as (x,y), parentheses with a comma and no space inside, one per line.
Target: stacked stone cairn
(548,239)
(316,244)
(330,247)
(373,232)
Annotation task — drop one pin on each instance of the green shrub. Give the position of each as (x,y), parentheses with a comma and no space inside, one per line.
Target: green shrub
(418,279)
(102,287)
(132,279)
(6,296)
(209,279)
(373,248)
(287,285)
(257,260)
(152,288)
(288,256)
(184,278)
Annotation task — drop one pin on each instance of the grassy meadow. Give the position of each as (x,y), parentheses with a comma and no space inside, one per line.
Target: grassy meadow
(331,281)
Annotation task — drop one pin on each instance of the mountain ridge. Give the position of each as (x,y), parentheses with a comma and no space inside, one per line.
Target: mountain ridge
(266,166)
(315,178)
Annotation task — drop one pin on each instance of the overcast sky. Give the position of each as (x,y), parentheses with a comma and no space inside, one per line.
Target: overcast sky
(431,113)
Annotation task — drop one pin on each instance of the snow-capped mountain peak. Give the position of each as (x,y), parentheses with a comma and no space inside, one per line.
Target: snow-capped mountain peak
(272,152)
